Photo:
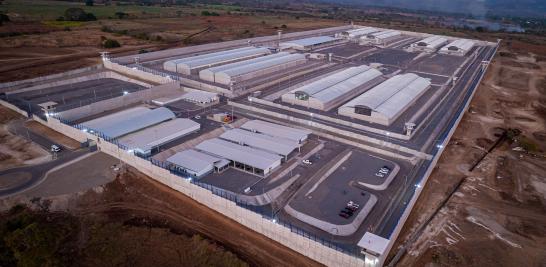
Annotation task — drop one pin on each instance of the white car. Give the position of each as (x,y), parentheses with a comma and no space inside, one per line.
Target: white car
(55,148)
(380,175)
(197,117)
(306,161)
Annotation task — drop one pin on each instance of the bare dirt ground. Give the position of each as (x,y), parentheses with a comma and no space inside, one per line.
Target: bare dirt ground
(48,50)
(14,150)
(498,216)
(61,139)
(135,198)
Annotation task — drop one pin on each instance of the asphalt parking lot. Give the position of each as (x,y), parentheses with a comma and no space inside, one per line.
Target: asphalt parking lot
(77,94)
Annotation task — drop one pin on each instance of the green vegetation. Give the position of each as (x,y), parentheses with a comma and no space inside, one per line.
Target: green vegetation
(39,238)
(63,24)
(77,14)
(110,43)
(208,13)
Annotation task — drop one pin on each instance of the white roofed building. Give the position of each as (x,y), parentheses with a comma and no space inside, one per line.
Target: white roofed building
(127,121)
(248,69)
(310,43)
(381,38)
(246,158)
(144,141)
(459,47)
(333,89)
(273,144)
(357,33)
(429,44)
(384,103)
(192,64)
(196,164)
(272,129)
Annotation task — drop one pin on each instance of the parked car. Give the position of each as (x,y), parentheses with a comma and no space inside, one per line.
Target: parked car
(380,175)
(344,215)
(308,162)
(197,117)
(55,148)
(348,211)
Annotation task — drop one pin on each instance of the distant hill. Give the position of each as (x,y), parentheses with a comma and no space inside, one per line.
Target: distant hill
(478,8)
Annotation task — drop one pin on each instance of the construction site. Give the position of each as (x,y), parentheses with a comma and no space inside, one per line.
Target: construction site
(320,140)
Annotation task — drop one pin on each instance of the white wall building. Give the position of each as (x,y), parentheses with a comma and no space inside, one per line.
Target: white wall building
(245,158)
(459,47)
(334,89)
(381,38)
(249,69)
(272,129)
(384,103)
(355,34)
(146,140)
(310,43)
(193,64)
(429,44)
(277,145)
(196,164)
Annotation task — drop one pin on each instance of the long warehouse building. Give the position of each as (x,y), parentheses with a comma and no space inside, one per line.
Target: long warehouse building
(332,90)
(248,69)
(429,44)
(357,33)
(459,47)
(245,158)
(272,129)
(277,145)
(193,64)
(310,43)
(381,38)
(196,164)
(384,103)
(146,140)
(128,121)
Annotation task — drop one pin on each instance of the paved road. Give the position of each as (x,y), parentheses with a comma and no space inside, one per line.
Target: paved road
(37,171)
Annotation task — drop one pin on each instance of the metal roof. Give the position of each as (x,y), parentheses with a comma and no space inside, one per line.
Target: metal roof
(214,58)
(200,96)
(159,134)
(245,62)
(459,44)
(360,31)
(273,129)
(129,121)
(196,161)
(309,41)
(383,34)
(392,96)
(374,243)
(243,154)
(434,41)
(264,142)
(336,85)
(180,60)
(252,67)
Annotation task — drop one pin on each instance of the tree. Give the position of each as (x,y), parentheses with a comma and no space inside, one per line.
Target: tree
(110,43)
(89,2)
(78,14)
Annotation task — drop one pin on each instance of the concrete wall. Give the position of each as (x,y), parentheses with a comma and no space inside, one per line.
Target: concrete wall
(120,101)
(14,108)
(224,45)
(90,77)
(411,204)
(335,120)
(38,80)
(137,73)
(254,221)
(341,132)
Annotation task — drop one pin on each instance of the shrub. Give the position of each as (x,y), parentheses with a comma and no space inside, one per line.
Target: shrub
(208,13)
(77,14)
(110,43)
(3,18)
